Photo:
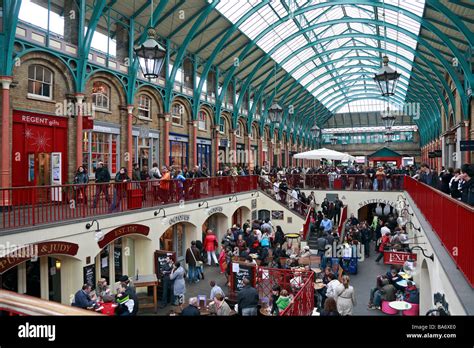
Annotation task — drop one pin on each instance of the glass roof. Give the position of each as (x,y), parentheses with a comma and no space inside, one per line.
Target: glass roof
(334,62)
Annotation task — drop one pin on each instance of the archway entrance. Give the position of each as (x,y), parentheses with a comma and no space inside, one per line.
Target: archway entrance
(426,296)
(178,238)
(218,223)
(382,210)
(241,215)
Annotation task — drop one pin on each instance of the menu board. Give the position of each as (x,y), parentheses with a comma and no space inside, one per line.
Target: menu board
(89,275)
(241,270)
(160,257)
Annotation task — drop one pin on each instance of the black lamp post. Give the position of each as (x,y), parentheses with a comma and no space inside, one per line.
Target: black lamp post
(388,119)
(386,78)
(275,113)
(151,55)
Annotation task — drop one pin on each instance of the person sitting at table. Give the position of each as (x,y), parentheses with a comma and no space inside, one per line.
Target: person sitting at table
(126,304)
(102,288)
(393,277)
(283,300)
(108,306)
(82,298)
(412,295)
(192,309)
(219,306)
(384,292)
(296,282)
(330,308)
(306,252)
(275,295)
(130,291)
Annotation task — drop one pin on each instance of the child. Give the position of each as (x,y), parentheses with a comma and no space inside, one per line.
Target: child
(283,301)
(108,307)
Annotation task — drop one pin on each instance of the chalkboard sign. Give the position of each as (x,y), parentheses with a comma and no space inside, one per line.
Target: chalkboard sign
(245,270)
(89,275)
(160,257)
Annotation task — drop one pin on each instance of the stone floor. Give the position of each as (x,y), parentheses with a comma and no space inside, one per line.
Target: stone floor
(362,282)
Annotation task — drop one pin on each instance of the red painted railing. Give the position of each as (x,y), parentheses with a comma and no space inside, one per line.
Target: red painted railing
(346,182)
(37,205)
(307,223)
(452,221)
(298,283)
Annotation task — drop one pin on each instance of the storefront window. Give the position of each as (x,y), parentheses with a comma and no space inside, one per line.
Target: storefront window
(40,81)
(222,128)
(144,107)
(145,151)
(100,95)
(101,147)
(178,153)
(174,240)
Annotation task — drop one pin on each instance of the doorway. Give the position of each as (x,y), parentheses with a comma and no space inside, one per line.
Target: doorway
(54,279)
(174,239)
(33,278)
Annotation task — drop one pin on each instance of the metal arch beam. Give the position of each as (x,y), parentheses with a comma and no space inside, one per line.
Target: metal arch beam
(184,24)
(356,20)
(141,9)
(156,16)
(181,53)
(435,71)
(11,10)
(403,46)
(212,57)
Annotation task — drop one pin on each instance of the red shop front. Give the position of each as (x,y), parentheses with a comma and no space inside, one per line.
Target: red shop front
(39,149)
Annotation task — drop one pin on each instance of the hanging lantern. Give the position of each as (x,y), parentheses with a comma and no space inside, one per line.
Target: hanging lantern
(315,131)
(275,113)
(388,119)
(386,78)
(389,136)
(151,55)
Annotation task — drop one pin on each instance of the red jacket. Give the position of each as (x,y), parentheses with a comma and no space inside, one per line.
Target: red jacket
(385,241)
(108,308)
(210,242)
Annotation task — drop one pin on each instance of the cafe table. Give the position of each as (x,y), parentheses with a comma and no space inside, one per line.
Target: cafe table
(404,283)
(316,270)
(146,281)
(318,286)
(400,305)
(404,275)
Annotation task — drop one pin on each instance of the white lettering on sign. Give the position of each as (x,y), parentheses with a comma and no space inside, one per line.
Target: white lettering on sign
(384,201)
(39,120)
(215,210)
(37,331)
(179,218)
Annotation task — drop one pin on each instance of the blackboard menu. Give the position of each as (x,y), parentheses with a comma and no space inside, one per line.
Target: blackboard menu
(241,270)
(89,275)
(160,259)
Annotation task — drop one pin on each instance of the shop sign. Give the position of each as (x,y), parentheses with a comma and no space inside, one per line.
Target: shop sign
(34,251)
(87,123)
(224,142)
(123,231)
(203,141)
(178,218)
(215,210)
(38,119)
(379,200)
(397,258)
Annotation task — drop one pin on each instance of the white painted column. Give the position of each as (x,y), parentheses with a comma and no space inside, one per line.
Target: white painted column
(44,277)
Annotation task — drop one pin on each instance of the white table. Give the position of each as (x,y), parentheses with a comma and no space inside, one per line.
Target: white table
(404,283)
(400,305)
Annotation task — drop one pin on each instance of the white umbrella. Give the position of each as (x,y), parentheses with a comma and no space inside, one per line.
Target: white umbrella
(326,154)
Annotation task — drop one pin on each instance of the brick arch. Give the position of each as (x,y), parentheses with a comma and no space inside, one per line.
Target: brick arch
(112,81)
(187,106)
(209,112)
(154,95)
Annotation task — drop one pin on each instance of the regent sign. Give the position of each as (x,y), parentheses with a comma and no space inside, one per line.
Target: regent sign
(123,231)
(34,251)
(397,258)
(379,200)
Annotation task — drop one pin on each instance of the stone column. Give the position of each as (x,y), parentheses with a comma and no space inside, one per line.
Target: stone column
(260,152)
(249,156)
(216,134)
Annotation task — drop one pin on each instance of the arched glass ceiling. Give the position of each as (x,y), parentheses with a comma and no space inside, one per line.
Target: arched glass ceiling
(330,80)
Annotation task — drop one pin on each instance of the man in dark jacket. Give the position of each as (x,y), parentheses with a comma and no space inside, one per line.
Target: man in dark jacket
(166,281)
(102,178)
(130,292)
(82,298)
(247,299)
(191,310)
(121,178)
(192,257)
(428,176)
(467,189)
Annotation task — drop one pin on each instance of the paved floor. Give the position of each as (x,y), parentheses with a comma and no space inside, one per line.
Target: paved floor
(362,282)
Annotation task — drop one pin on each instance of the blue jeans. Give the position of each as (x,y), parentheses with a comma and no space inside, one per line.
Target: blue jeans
(249,312)
(321,254)
(192,273)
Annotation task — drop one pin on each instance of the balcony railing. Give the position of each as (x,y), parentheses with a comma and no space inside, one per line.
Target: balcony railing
(348,182)
(451,220)
(38,205)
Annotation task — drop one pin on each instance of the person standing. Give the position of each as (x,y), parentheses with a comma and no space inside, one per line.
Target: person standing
(192,258)
(345,298)
(155,175)
(215,289)
(467,189)
(121,178)
(210,245)
(102,179)
(165,185)
(179,287)
(81,179)
(247,299)
(338,204)
(166,271)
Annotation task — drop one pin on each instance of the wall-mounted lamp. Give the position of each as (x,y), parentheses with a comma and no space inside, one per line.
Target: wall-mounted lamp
(406,210)
(98,233)
(159,211)
(58,264)
(231,198)
(422,251)
(413,225)
(202,203)
(255,194)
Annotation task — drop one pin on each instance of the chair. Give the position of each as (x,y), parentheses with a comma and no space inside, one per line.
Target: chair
(414,311)
(387,309)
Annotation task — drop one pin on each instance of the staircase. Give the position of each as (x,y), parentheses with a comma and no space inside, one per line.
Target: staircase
(312,240)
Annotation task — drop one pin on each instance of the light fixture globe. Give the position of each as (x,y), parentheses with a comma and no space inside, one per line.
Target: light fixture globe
(386,78)
(151,55)
(275,113)
(389,136)
(333,140)
(315,131)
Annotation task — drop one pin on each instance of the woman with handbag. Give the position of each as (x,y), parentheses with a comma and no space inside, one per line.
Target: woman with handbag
(193,259)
